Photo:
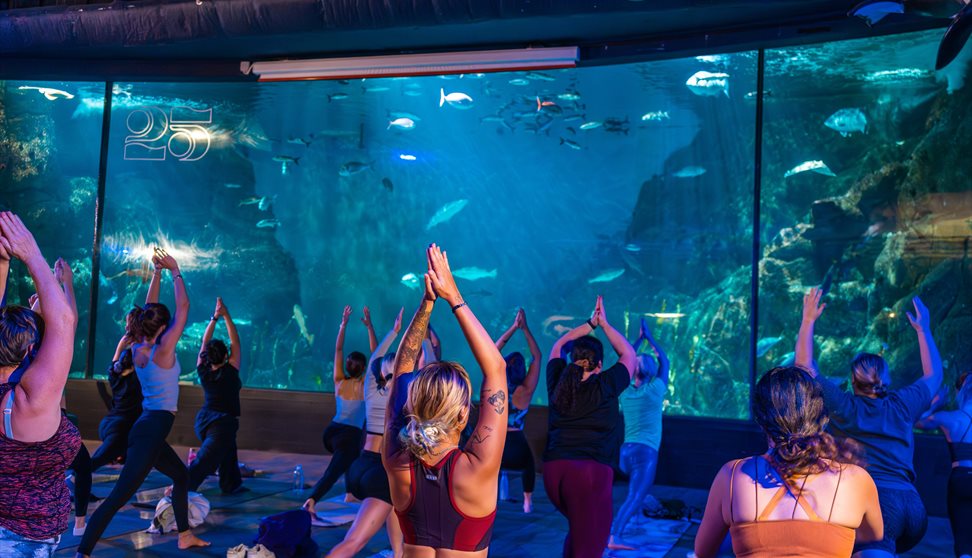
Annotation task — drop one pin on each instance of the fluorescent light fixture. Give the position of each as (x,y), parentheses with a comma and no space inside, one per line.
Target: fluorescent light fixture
(413,64)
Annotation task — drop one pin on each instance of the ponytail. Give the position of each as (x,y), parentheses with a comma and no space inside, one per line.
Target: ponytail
(868,374)
(214,353)
(421,437)
(133,324)
(585,355)
(439,398)
(144,322)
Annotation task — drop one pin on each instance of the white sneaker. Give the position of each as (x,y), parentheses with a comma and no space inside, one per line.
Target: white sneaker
(237,551)
(260,551)
(79,531)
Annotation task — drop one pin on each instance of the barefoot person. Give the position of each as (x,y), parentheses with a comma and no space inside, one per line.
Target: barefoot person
(37,442)
(801,497)
(154,333)
(445,497)
(521,381)
(584,436)
(882,421)
(367,480)
(344,436)
(641,405)
(219,419)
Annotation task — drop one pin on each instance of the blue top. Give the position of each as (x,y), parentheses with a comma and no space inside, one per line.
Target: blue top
(642,409)
(160,386)
(516,417)
(883,426)
(349,411)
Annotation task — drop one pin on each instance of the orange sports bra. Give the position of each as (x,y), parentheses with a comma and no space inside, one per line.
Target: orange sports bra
(813,538)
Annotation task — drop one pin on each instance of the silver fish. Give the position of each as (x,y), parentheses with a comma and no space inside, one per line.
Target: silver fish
(268,224)
(410,280)
(708,84)
(607,276)
(352,168)
(474,273)
(847,121)
(689,172)
(446,212)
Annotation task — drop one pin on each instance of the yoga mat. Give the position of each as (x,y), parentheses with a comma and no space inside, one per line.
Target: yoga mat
(652,539)
(335,512)
(125,521)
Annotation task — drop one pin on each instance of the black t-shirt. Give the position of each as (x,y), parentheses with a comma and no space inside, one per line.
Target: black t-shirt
(594,429)
(126,393)
(221,388)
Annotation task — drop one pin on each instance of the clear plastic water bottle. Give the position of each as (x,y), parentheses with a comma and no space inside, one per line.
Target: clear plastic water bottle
(298,478)
(191,457)
(504,486)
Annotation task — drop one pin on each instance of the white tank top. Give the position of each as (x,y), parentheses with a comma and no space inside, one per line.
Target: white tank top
(160,386)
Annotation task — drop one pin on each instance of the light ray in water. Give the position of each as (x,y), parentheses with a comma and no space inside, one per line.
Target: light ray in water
(134,249)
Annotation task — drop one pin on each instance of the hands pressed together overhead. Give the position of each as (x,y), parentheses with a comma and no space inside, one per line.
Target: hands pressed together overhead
(439,282)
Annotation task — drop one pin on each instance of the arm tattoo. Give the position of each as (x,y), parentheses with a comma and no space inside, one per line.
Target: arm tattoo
(412,342)
(480,438)
(498,401)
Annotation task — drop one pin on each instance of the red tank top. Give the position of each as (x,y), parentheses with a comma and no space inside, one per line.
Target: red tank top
(34,499)
(432,518)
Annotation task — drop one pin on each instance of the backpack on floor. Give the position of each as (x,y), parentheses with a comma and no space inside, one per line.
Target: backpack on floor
(164,520)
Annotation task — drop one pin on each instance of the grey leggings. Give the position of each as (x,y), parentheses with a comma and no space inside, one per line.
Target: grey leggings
(639,462)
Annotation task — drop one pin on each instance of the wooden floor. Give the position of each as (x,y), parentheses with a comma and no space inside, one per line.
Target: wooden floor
(234,520)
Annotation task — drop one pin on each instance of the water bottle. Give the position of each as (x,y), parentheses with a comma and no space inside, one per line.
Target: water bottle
(504,486)
(298,478)
(191,457)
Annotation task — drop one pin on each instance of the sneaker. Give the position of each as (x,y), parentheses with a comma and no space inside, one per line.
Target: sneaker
(237,551)
(78,531)
(260,551)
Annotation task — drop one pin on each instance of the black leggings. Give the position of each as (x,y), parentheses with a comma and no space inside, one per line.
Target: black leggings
(113,431)
(217,452)
(344,443)
(82,481)
(367,478)
(518,456)
(147,448)
(960,508)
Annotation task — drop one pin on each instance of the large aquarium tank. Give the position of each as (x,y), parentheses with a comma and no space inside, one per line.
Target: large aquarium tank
(547,188)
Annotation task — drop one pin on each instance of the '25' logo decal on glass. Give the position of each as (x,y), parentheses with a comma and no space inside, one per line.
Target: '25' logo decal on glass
(155,134)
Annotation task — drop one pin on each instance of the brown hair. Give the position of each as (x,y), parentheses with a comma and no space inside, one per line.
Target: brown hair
(868,372)
(586,354)
(20,327)
(788,405)
(143,322)
(438,405)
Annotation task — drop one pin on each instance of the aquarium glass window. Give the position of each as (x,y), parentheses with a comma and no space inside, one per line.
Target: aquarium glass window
(50,134)
(866,193)
(293,200)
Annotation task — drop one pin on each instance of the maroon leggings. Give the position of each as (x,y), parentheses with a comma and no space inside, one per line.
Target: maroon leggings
(581,490)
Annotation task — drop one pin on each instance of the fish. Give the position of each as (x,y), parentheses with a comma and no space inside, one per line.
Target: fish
(573,118)
(264,203)
(474,273)
(413,93)
(144,273)
(286,159)
(571,144)
(298,141)
(712,58)
(232,186)
(818,167)
(689,172)
(591,125)
(632,247)
(666,315)
(352,168)
(607,276)
(113,299)
(708,84)
(406,157)
(47,92)
(387,183)
(252,200)
(302,324)
(569,96)
(541,104)
(656,116)
(456,99)
(268,223)
(337,97)
(751,96)
(375,89)
(955,37)
(410,280)
(446,212)
(519,81)
(402,123)
(540,76)
(556,318)
(764,345)
(847,121)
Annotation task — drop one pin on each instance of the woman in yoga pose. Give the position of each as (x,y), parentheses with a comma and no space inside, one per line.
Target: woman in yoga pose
(444,496)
